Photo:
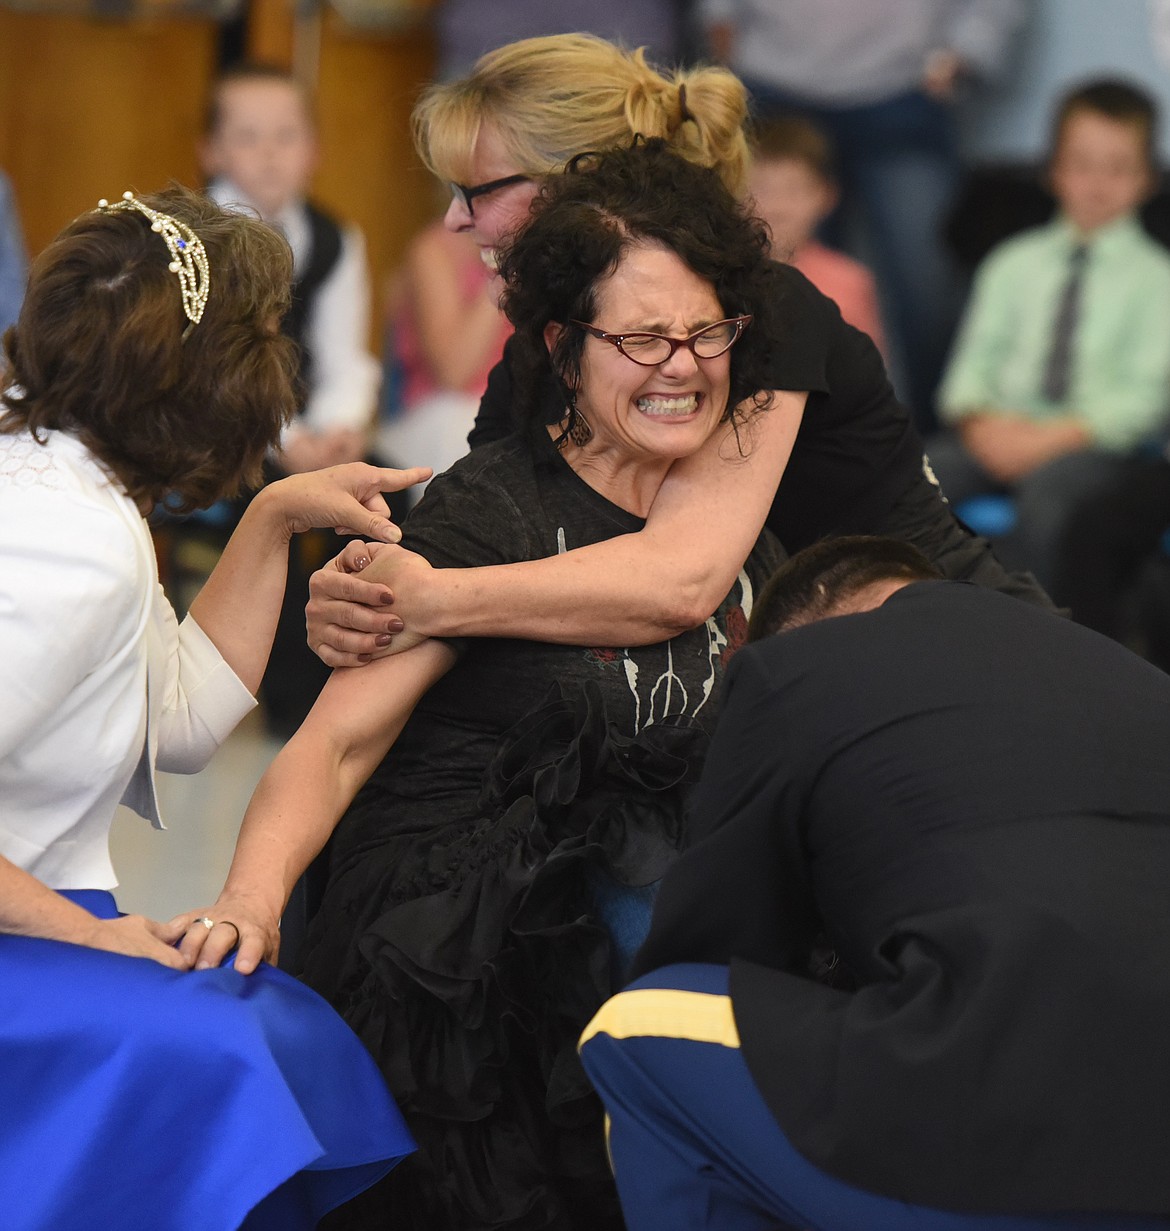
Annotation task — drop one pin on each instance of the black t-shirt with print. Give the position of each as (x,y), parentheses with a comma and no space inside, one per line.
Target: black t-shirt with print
(460,934)
(519,500)
(856,454)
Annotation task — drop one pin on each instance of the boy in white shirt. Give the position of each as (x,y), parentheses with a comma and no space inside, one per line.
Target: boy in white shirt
(260,150)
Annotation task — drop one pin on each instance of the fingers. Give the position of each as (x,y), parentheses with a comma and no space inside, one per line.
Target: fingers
(253,951)
(205,947)
(167,955)
(349,649)
(339,658)
(353,516)
(393,480)
(222,938)
(137,936)
(378,525)
(195,935)
(169,933)
(360,608)
(329,585)
(346,619)
(352,558)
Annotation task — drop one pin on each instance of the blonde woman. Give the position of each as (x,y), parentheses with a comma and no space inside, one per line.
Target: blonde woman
(837,455)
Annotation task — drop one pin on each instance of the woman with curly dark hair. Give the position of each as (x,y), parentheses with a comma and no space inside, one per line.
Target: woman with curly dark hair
(838,455)
(509,805)
(138,1092)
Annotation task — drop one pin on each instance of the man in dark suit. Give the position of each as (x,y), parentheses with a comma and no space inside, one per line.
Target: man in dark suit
(968,800)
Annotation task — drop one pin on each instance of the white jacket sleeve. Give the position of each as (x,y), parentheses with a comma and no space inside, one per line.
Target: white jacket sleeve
(196,699)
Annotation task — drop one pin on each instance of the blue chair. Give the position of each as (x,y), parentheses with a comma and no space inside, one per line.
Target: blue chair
(991,516)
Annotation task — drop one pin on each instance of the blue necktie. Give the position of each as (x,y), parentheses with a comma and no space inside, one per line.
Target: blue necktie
(1059,365)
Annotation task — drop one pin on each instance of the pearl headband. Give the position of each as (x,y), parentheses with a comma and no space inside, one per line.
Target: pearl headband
(188,256)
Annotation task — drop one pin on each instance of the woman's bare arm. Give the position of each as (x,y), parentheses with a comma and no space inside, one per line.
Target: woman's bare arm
(240,602)
(632,590)
(30,908)
(352,726)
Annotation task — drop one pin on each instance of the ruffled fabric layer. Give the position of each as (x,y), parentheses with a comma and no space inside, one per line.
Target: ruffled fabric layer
(148,1099)
(470,956)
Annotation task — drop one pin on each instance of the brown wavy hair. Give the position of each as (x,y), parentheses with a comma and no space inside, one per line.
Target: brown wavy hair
(99,351)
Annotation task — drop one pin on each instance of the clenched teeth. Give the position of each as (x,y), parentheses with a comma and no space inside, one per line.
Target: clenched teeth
(669,406)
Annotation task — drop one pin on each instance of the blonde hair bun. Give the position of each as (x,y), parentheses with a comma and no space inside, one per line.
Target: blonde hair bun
(548,99)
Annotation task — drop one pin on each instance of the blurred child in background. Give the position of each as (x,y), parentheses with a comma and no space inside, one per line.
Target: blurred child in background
(1062,366)
(794,190)
(260,150)
(446,334)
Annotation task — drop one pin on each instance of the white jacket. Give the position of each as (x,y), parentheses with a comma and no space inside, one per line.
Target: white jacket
(99,684)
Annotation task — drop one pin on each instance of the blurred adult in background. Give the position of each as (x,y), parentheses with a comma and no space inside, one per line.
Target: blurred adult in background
(882,77)
(469,28)
(446,333)
(13,261)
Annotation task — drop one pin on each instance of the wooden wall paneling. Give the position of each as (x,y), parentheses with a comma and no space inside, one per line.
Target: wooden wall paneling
(367,84)
(92,107)
(270,32)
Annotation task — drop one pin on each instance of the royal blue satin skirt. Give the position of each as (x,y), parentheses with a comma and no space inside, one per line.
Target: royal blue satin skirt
(141,1098)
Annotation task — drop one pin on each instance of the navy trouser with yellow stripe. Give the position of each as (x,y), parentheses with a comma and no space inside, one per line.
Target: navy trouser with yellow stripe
(694,1146)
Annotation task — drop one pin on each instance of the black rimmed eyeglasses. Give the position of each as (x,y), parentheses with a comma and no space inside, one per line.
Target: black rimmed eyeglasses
(652,349)
(467,194)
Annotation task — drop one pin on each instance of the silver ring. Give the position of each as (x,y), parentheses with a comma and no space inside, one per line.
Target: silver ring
(207,923)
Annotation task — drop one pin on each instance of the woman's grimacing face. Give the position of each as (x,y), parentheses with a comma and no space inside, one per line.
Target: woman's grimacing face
(497,214)
(662,412)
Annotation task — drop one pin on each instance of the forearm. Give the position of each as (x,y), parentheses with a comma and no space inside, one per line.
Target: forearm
(239,604)
(638,588)
(1009,446)
(30,908)
(289,818)
(299,800)
(1057,437)
(611,593)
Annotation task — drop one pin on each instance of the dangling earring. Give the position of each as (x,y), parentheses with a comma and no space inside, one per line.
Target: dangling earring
(579,431)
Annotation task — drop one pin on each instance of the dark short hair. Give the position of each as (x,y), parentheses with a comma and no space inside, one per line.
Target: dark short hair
(581,225)
(249,70)
(1116,100)
(821,577)
(792,137)
(99,351)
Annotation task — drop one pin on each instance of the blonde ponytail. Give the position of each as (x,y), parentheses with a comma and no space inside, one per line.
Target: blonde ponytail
(547,99)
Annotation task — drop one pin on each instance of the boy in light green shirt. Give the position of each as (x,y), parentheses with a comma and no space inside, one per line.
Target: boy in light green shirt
(1062,364)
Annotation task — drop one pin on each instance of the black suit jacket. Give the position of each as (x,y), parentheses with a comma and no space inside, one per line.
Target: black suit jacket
(972,798)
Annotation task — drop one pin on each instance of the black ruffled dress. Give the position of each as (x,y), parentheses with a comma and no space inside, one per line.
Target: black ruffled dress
(487,876)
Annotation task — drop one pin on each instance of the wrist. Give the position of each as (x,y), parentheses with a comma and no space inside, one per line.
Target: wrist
(437,611)
(269,512)
(259,900)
